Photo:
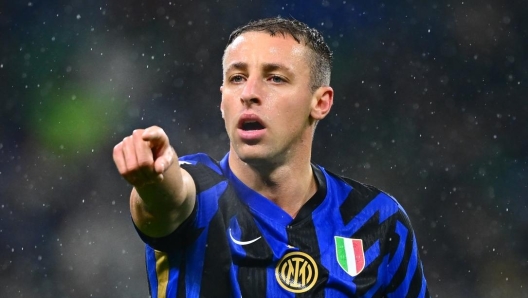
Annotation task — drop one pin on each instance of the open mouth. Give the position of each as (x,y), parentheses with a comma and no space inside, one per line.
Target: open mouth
(251,129)
(251,125)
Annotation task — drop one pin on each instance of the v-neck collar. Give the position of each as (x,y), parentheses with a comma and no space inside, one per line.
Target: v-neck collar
(260,204)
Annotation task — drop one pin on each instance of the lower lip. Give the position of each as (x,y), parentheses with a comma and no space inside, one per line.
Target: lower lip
(251,135)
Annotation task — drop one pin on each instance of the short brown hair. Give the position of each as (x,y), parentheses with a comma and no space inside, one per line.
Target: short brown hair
(320,65)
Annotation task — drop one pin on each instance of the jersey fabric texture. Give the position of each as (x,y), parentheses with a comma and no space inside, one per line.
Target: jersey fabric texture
(348,240)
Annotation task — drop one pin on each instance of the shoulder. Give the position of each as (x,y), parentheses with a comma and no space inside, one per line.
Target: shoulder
(204,170)
(200,159)
(365,199)
(361,190)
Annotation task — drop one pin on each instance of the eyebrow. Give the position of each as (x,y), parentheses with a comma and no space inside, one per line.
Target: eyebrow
(268,67)
(275,66)
(237,66)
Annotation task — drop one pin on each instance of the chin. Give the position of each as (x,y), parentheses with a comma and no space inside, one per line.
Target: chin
(259,158)
(251,154)
(250,157)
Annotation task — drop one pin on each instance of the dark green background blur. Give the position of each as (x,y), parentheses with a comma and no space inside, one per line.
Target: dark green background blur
(431,106)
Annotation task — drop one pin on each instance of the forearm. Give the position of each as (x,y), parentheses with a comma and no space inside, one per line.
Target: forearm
(163,194)
(159,208)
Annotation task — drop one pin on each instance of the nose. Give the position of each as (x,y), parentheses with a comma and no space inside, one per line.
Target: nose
(251,94)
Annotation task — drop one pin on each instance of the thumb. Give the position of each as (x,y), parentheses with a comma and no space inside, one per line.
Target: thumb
(165,160)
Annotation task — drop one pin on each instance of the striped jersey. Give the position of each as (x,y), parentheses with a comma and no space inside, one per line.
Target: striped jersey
(348,240)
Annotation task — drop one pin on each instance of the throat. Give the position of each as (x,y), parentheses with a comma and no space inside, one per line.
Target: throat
(290,196)
(289,185)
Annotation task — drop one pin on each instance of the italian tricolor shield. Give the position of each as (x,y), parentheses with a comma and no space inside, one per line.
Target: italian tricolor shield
(349,254)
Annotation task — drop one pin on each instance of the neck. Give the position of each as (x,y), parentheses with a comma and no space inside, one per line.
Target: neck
(289,185)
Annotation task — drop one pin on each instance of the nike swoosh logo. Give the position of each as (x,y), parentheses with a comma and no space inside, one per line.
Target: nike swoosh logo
(242,242)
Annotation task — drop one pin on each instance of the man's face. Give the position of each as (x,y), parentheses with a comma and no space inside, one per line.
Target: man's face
(266,97)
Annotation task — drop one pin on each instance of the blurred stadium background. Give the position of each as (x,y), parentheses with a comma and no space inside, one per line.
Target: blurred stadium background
(431,106)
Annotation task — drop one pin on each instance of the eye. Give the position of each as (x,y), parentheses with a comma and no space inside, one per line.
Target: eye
(277,79)
(236,79)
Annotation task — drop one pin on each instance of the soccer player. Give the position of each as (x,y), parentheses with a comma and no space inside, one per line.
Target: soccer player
(264,221)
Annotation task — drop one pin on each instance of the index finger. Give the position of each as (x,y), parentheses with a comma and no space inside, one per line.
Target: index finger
(156,136)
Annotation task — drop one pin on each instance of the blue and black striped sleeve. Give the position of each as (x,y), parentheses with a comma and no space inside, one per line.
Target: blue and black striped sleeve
(405,276)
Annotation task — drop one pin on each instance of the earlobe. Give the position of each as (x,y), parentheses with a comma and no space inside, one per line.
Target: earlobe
(322,103)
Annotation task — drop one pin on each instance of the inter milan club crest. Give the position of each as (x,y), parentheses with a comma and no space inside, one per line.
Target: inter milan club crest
(350,255)
(297,272)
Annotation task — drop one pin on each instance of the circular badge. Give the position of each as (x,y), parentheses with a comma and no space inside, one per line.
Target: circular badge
(296,272)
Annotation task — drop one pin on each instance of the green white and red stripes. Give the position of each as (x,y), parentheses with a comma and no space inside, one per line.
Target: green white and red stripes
(349,254)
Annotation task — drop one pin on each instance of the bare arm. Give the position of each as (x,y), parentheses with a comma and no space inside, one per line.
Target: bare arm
(164,194)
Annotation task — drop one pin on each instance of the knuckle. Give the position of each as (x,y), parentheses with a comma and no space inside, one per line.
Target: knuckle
(137,132)
(125,174)
(125,141)
(144,164)
(118,148)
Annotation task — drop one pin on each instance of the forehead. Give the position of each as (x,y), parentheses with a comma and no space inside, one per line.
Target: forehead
(263,46)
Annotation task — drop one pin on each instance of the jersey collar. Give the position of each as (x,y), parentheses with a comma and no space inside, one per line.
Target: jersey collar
(261,204)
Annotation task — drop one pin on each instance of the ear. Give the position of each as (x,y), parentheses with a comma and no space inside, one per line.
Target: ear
(222,102)
(322,101)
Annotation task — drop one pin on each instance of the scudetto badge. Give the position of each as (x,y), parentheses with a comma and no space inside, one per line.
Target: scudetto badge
(350,255)
(296,272)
